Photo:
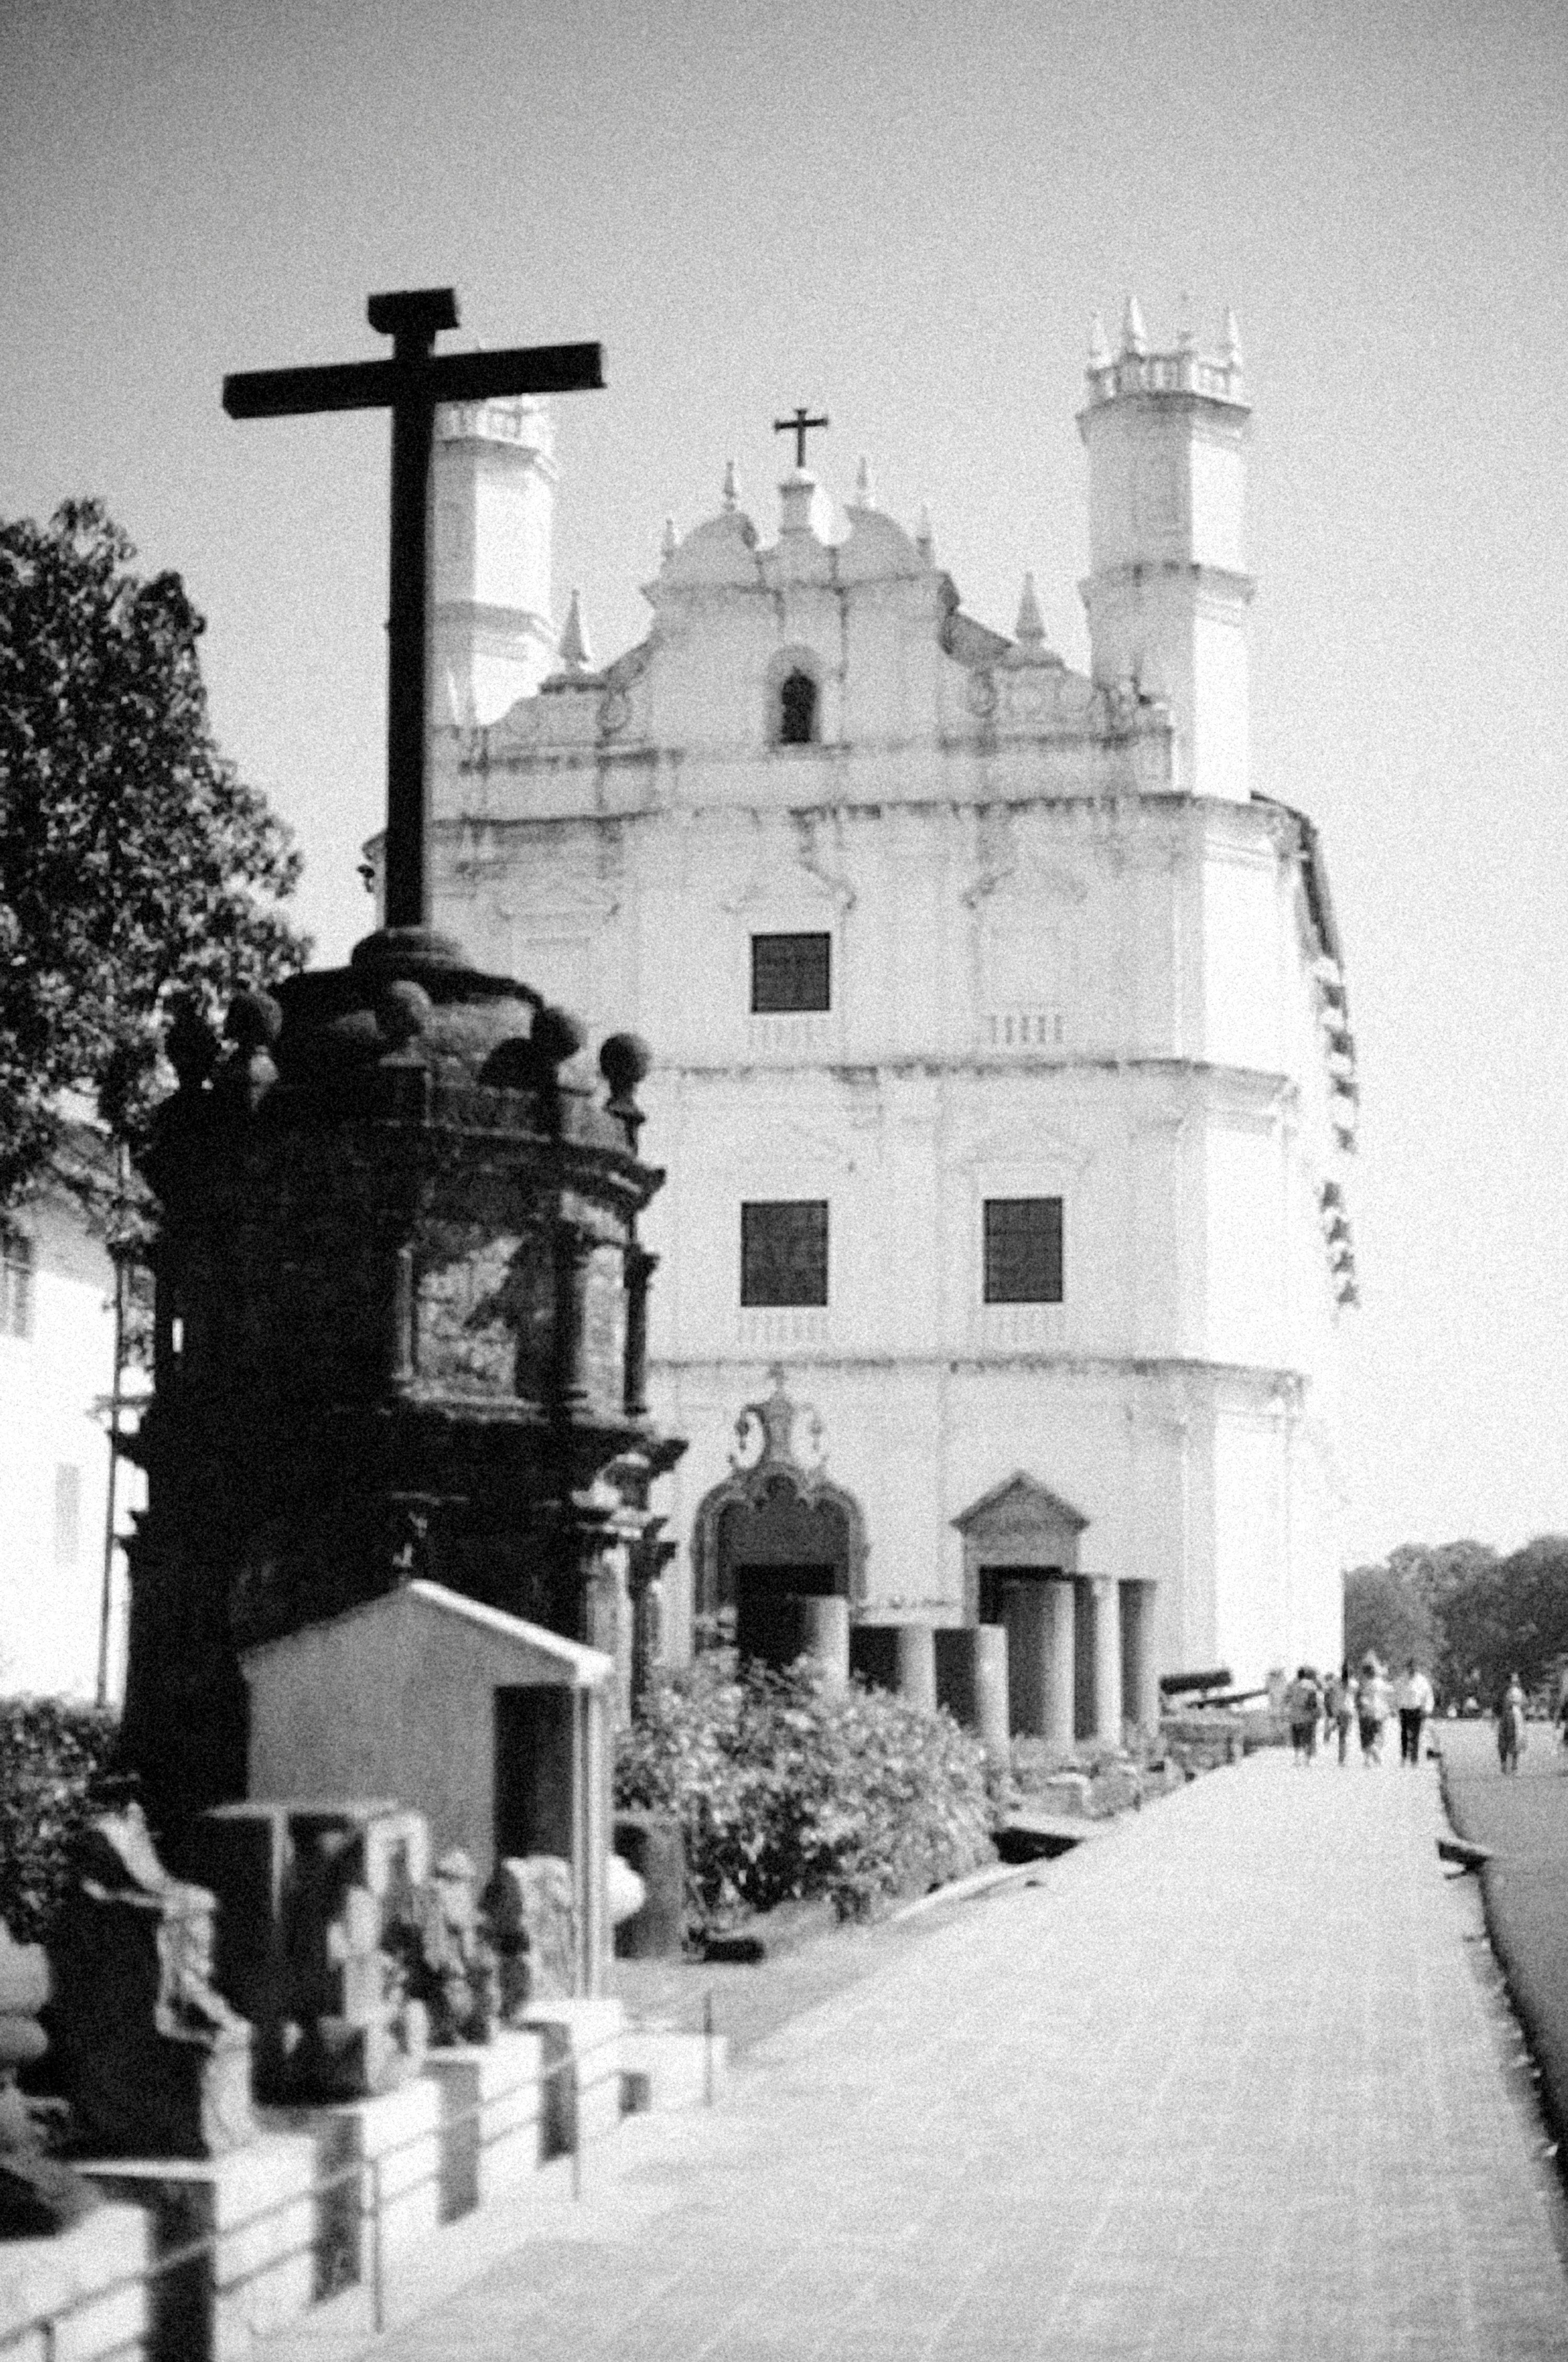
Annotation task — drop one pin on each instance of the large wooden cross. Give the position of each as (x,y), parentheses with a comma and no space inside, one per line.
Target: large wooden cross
(800,427)
(410,385)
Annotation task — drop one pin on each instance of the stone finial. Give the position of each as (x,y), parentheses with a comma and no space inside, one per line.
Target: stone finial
(669,542)
(403,1011)
(1230,340)
(575,654)
(1029,628)
(1098,345)
(1134,336)
(555,1037)
(864,490)
(731,486)
(1186,341)
(925,539)
(623,1061)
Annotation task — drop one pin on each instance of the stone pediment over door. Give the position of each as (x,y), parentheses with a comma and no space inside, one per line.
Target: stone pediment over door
(1020,1522)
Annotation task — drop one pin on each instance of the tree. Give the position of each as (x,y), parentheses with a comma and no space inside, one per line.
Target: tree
(1386,1617)
(133,866)
(1510,1617)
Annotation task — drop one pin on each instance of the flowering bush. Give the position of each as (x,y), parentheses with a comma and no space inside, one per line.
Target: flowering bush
(53,1760)
(787,1787)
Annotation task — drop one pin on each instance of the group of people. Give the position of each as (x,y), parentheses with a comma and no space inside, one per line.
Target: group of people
(1362,1702)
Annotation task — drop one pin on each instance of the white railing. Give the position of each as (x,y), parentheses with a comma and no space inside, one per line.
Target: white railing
(782,1328)
(813,1035)
(1020,1328)
(1026,1026)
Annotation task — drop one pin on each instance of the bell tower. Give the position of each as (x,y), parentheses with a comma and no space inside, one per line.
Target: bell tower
(493,497)
(1168,592)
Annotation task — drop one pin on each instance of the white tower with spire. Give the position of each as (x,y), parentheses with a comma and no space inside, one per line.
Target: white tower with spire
(493,497)
(1167,591)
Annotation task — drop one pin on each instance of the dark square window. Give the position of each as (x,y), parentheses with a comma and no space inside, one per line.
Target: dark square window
(784,1251)
(1023,1251)
(791,973)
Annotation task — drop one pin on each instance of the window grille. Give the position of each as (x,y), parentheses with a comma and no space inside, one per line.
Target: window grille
(784,1251)
(791,973)
(1023,1251)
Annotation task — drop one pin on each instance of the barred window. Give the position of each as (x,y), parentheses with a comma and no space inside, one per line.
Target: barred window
(791,974)
(1023,1250)
(784,1251)
(15,1284)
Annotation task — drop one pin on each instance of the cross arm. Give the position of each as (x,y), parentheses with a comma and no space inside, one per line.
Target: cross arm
(379,385)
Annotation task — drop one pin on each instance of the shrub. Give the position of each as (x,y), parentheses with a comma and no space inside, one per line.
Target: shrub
(785,1786)
(53,1758)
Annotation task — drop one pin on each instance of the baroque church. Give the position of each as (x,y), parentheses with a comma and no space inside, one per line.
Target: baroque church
(1002,1063)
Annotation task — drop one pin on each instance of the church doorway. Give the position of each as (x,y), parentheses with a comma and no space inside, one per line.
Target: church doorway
(776,1528)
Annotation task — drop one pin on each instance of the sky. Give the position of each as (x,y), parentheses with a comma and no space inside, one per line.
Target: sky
(906,213)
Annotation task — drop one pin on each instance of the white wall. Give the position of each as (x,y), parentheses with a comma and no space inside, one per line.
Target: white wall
(52,1382)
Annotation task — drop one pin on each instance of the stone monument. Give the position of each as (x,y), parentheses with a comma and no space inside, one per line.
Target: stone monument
(153,2059)
(319,1899)
(401,1303)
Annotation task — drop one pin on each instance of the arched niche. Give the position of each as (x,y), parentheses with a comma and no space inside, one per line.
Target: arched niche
(794,688)
(777,1524)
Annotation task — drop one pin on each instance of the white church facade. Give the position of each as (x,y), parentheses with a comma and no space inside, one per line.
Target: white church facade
(1004,1071)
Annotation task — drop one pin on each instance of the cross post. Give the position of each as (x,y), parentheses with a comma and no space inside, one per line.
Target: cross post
(800,427)
(411,385)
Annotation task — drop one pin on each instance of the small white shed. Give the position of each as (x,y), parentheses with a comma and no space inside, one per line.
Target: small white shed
(498,1731)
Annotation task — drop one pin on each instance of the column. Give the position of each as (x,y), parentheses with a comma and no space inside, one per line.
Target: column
(1061,1643)
(1141,1691)
(1107,1661)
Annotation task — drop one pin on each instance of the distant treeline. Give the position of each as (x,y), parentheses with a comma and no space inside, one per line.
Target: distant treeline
(1472,1617)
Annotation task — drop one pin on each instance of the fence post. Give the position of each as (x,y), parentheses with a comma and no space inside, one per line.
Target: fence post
(708,2047)
(378,2267)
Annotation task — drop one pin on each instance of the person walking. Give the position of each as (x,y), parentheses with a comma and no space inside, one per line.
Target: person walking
(1373,1698)
(1414,1700)
(1511,1725)
(1303,1704)
(1339,1708)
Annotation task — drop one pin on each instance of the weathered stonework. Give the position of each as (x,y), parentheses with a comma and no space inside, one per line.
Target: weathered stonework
(400,1332)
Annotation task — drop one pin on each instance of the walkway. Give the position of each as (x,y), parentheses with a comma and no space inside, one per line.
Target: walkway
(1231,2085)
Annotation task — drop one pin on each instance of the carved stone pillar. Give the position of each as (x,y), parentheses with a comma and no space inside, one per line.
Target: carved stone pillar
(640,1268)
(574,1245)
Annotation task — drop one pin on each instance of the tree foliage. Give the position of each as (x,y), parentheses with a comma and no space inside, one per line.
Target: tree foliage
(787,1787)
(1387,1618)
(134,865)
(1474,1618)
(53,1764)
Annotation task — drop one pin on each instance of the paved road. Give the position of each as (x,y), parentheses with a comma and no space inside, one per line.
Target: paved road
(1233,2085)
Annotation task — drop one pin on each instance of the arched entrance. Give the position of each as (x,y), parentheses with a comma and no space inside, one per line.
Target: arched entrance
(776,1527)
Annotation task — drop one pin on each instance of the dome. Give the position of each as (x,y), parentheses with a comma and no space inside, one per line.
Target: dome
(718,553)
(877,550)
